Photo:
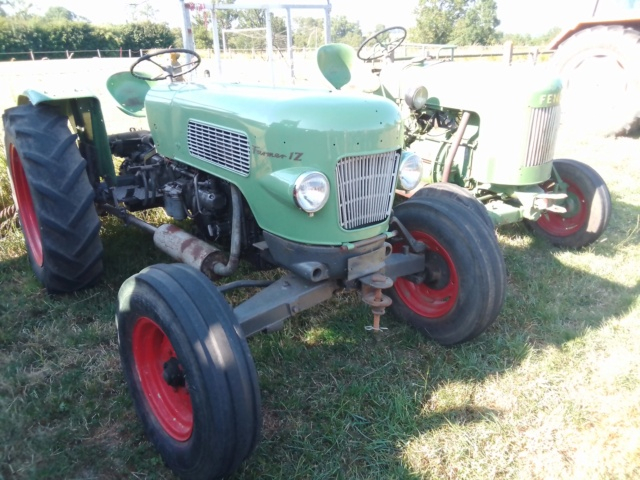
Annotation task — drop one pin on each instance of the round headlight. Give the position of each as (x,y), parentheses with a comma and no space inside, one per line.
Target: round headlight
(311,191)
(416,97)
(410,172)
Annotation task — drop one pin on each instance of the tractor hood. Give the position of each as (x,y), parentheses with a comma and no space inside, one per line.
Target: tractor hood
(273,118)
(269,136)
(477,86)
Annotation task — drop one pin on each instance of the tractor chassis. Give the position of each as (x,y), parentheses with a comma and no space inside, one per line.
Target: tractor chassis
(266,311)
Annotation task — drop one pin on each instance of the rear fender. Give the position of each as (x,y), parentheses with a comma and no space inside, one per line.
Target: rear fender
(85,116)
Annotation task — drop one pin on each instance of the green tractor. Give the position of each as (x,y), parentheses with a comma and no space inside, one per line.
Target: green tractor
(486,134)
(298,179)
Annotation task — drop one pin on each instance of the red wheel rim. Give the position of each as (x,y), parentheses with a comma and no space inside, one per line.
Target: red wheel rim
(28,218)
(426,301)
(566,224)
(170,405)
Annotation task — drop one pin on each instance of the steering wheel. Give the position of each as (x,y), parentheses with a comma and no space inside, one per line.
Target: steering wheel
(382,43)
(174,70)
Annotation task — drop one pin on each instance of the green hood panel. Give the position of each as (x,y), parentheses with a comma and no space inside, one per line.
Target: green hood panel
(283,129)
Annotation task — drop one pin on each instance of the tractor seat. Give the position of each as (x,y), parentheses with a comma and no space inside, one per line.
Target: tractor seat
(338,65)
(129,92)
(335,61)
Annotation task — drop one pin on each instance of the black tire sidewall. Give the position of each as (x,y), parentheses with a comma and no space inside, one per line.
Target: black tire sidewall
(597,202)
(219,394)
(480,269)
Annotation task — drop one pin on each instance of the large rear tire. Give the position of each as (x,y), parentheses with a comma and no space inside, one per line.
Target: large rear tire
(600,64)
(54,197)
(588,207)
(189,371)
(464,282)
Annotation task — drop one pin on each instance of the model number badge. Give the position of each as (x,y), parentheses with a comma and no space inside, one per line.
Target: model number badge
(295,156)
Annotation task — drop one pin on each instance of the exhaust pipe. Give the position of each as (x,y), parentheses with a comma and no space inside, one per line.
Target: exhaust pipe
(177,243)
(188,249)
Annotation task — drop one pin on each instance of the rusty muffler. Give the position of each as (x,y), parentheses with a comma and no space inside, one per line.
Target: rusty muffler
(188,249)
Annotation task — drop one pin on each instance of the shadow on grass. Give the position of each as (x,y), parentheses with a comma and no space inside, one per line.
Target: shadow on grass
(338,402)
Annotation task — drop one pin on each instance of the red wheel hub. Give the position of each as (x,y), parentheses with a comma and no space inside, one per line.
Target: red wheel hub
(28,218)
(565,224)
(430,299)
(153,352)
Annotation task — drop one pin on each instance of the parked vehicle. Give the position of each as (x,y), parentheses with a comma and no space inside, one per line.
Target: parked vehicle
(597,59)
(486,134)
(299,179)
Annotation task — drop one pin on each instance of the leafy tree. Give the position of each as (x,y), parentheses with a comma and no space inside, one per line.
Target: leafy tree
(20,9)
(56,14)
(464,22)
(144,35)
(308,32)
(145,13)
(344,31)
(202,35)
(256,18)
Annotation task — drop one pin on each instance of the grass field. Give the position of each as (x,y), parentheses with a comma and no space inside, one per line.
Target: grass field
(550,391)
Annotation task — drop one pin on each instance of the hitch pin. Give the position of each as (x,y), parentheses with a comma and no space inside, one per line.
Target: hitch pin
(372,295)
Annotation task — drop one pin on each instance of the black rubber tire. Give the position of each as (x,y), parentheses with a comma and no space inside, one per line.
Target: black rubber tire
(54,197)
(617,50)
(588,193)
(458,194)
(187,311)
(475,256)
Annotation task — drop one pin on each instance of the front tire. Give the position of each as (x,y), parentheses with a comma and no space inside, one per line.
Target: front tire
(463,287)
(456,193)
(588,207)
(189,371)
(54,197)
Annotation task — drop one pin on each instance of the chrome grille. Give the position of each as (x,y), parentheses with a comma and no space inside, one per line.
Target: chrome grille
(226,149)
(366,188)
(543,127)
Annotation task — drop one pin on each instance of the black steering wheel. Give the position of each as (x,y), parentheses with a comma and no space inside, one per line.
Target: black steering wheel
(382,43)
(174,70)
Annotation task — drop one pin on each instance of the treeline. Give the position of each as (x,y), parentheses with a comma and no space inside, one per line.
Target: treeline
(52,39)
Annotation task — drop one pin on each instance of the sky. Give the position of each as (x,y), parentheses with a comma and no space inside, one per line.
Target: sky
(517,16)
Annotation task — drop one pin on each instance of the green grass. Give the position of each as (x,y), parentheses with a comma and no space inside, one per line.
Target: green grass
(550,391)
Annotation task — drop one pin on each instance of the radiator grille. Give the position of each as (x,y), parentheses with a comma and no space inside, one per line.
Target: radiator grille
(224,148)
(543,127)
(366,186)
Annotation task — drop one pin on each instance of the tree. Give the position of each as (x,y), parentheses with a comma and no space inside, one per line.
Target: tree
(16,9)
(309,32)
(56,14)
(344,31)
(464,22)
(202,36)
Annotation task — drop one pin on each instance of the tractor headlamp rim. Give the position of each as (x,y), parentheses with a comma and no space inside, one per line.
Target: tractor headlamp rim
(416,97)
(311,191)
(410,171)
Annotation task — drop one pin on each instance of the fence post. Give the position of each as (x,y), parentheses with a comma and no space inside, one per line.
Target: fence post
(508,52)
(129,53)
(31,53)
(99,56)
(534,55)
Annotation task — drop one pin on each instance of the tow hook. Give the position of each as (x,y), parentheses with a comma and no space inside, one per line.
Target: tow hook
(372,286)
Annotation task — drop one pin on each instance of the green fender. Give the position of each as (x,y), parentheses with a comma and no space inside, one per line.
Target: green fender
(85,115)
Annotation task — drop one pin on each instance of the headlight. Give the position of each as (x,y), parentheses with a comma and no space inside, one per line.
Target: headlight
(311,191)
(410,172)
(416,97)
